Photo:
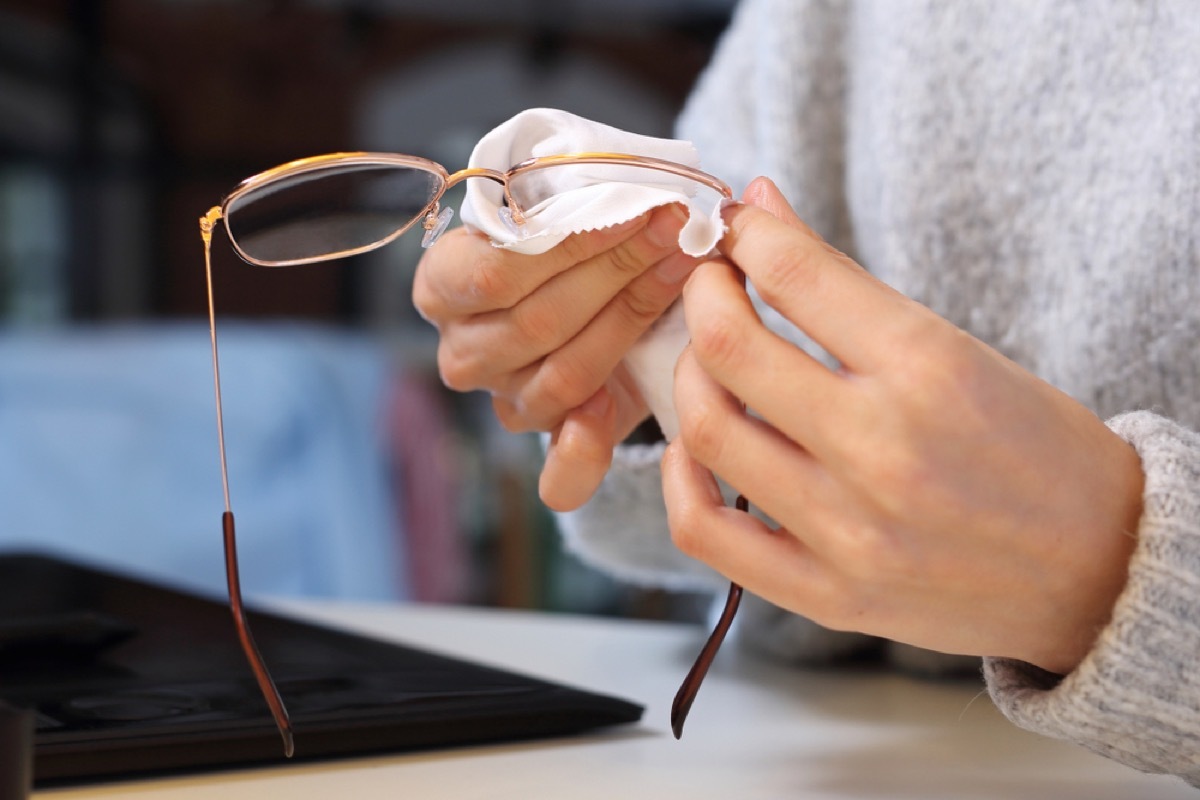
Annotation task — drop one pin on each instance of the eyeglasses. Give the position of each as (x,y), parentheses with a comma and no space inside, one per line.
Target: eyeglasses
(338,205)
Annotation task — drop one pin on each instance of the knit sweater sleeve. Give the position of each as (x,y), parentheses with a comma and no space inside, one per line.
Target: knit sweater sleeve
(623,531)
(1136,697)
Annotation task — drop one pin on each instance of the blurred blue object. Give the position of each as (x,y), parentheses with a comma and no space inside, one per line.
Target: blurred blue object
(108,452)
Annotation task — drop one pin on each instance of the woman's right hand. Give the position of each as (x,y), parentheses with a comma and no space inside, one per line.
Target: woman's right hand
(545,334)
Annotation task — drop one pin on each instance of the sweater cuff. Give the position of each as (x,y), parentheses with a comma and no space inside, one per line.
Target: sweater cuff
(1135,697)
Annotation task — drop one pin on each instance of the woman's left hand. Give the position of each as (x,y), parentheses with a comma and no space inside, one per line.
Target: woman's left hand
(930,490)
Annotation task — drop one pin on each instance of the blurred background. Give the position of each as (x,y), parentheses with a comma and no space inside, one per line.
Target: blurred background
(353,473)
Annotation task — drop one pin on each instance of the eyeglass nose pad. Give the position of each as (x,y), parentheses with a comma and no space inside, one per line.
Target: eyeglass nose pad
(506,216)
(435,225)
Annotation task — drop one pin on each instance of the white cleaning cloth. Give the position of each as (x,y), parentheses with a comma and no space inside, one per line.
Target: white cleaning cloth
(605,198)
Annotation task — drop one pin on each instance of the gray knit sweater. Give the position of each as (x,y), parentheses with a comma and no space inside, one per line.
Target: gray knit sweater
(1030,171)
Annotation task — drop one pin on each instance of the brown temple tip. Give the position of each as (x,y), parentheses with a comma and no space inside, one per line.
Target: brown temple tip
(691,684)
(262,675)
(679,712)
(289,742)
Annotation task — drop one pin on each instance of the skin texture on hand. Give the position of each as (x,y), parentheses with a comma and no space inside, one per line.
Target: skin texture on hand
(929,491)
(545,334)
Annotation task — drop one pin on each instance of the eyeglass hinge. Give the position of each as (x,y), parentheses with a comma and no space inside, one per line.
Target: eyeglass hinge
(208,222)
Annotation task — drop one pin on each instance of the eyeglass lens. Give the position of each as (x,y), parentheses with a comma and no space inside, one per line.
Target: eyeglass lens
(337,210)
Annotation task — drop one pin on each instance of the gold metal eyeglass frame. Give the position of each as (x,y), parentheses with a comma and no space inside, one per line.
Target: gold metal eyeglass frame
(433,220)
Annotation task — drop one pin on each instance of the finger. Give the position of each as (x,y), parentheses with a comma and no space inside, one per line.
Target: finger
(574,371)
(743,548)
(763,193)
(498,342)
(779,381)
(775,474)
(579,454)
(465,274)
(516,417)
(854,316)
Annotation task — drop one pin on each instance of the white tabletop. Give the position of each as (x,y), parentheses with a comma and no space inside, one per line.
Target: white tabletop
(756,731)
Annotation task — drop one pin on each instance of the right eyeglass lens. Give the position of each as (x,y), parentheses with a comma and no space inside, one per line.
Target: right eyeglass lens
(330,211)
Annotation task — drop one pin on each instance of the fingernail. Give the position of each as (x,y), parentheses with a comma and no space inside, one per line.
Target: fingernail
(665,224)
(598,404)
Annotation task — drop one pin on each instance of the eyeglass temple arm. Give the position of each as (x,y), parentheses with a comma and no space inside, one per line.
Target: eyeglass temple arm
(207,223)
(259,667)
(265,684)
(686,695)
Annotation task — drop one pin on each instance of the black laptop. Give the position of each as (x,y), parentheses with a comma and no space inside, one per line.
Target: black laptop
(128,678)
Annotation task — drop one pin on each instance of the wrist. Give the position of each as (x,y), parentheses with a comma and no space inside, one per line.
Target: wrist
(1099,569)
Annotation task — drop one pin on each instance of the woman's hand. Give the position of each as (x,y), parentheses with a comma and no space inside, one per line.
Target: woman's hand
(929,491)
(545,334)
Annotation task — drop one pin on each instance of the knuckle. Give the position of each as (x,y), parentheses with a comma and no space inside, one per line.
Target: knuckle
(603,242)
(509,416)
(425,300)
(630,257)
(786,274)
(929,341)
(702,429)
(781,269)
(897,476)
(559,386)
(577,248)
(639,307)
(715,340)
(921,376)
(688,532)
(863,555)
(456,373)
(958,369)
(895,468)
(537,323)
(942,376)
(875,562)
(452,375)
(490,280)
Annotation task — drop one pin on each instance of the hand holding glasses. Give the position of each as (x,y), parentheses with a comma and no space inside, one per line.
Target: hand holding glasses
(334,206)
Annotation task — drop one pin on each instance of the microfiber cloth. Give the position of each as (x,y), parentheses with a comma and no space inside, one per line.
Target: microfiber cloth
(606,196)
